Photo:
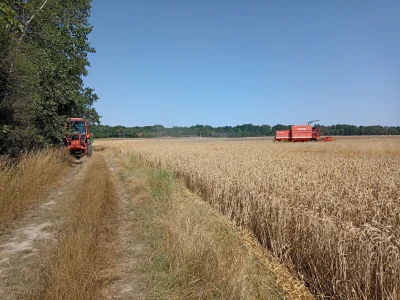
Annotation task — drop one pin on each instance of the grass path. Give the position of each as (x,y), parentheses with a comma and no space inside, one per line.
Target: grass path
(131,252)
(84,258)
(21,249)
(25,184)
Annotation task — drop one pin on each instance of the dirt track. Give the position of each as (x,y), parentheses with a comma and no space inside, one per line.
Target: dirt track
(23,248)
(129,284)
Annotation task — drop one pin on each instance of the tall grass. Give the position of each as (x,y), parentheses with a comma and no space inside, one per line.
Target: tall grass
(329,211)
(25,183)
(84,258)
(196,254)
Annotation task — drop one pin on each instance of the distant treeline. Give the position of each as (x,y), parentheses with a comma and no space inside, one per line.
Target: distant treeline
(246,130)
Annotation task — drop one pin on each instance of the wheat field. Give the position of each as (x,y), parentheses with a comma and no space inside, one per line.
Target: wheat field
(328,211)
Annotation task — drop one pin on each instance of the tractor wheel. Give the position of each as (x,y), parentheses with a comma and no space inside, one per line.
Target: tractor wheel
(90,149)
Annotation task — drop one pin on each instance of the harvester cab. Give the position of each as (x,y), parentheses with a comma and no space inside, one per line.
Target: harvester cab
(77,138)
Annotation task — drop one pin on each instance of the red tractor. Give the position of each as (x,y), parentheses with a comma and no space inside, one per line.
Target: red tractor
(77,138)
(301,133)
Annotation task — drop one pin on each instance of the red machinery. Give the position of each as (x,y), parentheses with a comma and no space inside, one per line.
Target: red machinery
(77,137)
(301,133)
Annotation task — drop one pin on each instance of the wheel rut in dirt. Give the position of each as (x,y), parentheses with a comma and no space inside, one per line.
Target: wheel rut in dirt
(129,284)
(21,248)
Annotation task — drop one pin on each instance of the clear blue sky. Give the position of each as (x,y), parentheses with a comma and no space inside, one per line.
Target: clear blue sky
(230,62)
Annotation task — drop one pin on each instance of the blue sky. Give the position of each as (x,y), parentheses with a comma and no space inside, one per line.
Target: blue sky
(231,62)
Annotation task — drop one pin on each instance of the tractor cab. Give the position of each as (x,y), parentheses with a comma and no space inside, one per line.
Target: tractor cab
(77,137)
(77,127)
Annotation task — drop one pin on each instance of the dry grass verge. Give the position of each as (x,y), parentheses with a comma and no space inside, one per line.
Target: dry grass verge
(24,184)
(196,253)
(84,258)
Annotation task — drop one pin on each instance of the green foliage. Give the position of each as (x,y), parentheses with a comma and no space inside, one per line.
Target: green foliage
(9,17)
(41,70)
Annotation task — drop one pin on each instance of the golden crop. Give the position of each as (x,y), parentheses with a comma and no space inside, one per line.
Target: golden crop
(329,211)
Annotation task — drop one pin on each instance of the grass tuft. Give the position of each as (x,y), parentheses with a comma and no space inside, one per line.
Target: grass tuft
(26,183)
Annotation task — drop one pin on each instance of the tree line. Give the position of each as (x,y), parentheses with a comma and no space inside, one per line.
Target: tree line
(246,130)
(43,57)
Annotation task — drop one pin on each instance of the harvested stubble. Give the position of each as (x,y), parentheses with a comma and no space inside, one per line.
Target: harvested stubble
(330,211)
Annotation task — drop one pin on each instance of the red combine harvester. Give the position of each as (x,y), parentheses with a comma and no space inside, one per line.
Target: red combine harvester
(77,138)
(301,133)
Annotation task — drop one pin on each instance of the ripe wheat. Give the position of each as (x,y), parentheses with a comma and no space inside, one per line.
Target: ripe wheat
(329,211)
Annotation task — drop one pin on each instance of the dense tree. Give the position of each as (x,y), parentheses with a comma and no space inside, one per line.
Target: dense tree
(43,57)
